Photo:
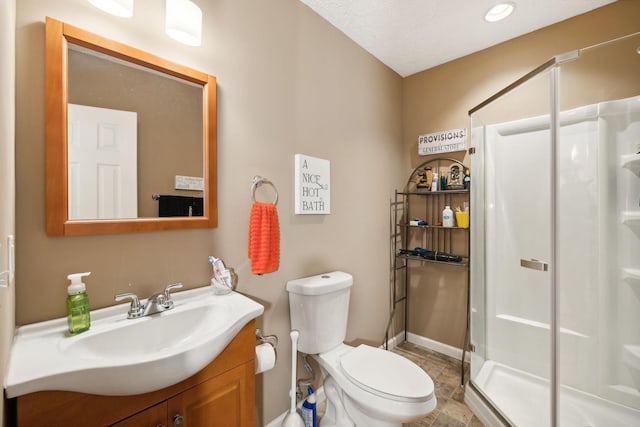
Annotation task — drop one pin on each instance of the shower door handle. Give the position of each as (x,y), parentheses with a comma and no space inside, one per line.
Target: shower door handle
(534,264)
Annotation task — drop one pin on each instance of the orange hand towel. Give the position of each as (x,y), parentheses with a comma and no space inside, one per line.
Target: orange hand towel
(264,238)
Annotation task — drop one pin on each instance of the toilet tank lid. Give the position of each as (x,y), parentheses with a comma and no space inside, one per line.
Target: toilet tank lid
(320,284)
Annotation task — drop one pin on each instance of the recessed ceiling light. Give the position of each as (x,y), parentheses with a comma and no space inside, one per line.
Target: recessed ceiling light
(499,12)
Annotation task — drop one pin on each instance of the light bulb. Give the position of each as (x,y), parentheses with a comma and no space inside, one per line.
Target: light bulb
(122,8)
(184,22)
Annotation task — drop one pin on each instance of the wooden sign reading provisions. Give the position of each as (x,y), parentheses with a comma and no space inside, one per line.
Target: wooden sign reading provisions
(442,142)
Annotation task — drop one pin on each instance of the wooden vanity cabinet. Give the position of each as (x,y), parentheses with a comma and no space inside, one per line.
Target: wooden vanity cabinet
(222,394)
(155,416)
(217,402)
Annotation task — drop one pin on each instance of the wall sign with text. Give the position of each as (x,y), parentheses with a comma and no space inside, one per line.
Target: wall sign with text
(442,142)
(312,185)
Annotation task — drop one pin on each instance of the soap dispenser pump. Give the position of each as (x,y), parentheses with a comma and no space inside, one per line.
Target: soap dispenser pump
(78,316)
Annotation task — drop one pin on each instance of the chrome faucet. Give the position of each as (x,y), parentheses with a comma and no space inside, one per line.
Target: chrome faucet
(156,303)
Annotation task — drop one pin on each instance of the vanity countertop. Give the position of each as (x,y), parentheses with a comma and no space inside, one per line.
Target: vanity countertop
(120,356)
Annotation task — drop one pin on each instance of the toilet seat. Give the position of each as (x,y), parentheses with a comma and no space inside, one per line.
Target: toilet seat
(386,374)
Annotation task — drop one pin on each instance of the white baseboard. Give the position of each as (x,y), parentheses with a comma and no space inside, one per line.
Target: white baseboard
(437,346)
(394,341)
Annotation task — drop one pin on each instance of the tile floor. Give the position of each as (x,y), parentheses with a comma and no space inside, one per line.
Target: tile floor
(445,373)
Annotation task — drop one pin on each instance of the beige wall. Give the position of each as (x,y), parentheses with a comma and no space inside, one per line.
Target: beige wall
(288,83)
(440,98)
(7,176)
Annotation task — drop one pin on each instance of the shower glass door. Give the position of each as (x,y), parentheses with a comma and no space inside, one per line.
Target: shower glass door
(512,249)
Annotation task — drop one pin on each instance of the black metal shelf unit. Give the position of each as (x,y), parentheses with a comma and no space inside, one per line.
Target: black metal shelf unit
(416,200)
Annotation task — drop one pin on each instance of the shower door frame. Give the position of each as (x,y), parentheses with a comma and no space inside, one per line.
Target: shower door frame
(552,66)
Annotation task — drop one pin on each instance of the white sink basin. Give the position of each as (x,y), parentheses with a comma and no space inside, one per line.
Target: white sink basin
(149,335)
(120,356)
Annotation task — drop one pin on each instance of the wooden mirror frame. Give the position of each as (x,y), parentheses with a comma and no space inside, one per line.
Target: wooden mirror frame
(58,36)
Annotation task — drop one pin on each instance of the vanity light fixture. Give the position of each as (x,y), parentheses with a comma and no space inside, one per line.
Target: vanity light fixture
(499,12)
(184,22)
(122,8)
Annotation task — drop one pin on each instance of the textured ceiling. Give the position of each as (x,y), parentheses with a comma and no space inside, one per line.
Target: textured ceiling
(413,35)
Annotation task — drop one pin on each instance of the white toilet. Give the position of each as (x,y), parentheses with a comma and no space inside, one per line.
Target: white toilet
(365,386)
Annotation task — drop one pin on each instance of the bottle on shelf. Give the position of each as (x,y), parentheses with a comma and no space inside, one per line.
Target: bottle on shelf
(447,217)
(467,180)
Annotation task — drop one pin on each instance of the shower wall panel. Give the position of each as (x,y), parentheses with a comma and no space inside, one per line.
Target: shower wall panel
(620,127)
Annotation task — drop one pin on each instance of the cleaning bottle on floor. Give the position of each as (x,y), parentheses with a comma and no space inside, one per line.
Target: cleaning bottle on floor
(309,414)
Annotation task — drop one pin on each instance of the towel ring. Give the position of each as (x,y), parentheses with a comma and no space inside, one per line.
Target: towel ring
(257,181)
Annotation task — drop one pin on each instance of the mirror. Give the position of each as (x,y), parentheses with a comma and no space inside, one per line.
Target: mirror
(168,124)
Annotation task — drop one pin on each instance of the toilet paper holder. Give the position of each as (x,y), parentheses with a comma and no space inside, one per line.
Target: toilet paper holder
(268,339)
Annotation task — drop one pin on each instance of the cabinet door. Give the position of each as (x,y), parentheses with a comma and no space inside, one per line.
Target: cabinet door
(223,401)
(156,416)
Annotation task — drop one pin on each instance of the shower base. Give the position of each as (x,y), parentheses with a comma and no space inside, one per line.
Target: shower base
(524,399)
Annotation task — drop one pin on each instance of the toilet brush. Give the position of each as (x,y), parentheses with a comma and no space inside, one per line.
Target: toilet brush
(293,419)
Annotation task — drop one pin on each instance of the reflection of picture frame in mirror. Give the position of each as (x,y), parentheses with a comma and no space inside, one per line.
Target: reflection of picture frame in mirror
(59,36)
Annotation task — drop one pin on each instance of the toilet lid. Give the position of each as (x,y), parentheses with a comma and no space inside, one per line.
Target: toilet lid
(386,374)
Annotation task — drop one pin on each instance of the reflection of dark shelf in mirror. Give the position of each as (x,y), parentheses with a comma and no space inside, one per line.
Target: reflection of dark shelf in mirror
(169,206)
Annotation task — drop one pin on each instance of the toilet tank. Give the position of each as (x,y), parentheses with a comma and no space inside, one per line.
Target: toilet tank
(319,309)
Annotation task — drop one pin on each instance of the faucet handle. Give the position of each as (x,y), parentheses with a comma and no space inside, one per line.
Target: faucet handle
(135,310)
(168,301)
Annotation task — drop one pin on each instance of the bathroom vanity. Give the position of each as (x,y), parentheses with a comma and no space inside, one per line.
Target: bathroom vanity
(193,364)
(221,394)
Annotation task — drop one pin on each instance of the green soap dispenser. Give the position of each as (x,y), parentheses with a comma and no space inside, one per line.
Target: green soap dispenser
(78,316)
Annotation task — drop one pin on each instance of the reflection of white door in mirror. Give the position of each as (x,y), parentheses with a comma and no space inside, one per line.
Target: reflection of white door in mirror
(102,163)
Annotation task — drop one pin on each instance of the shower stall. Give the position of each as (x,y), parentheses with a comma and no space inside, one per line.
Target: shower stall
(555,244)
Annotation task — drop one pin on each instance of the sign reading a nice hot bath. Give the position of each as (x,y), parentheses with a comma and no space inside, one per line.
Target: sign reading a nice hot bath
(444,141)
(312,179)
